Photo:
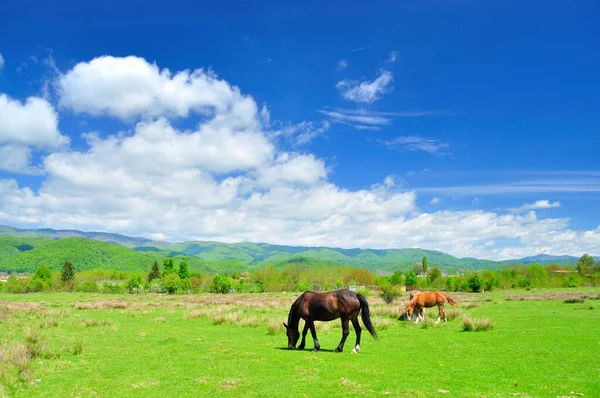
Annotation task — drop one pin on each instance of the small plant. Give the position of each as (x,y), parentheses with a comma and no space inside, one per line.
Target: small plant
(476,325)
(452,314)
(389,293)
(274,327)
(77,348)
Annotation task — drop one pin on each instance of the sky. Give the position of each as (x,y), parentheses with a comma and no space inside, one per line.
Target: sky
(469,127)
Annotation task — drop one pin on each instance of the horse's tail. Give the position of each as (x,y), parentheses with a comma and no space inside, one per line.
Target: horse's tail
(452,302)
(366,317)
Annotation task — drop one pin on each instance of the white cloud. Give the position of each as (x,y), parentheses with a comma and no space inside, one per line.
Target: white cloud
(342,64)
(540,204)
(1,61)
(435,201)
(15,159)
(34,123)
(227,180)
(131,87)
(368,91)
(416,143)
(362,119)
(300,133)
(393,56)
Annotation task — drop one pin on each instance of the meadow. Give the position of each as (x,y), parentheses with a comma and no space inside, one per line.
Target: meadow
(543,343)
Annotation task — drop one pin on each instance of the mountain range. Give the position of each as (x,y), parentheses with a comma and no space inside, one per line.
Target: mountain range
(26,249)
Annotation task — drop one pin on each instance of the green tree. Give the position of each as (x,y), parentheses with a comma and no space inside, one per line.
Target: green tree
(134,283)
(411,280)
(220,284)
(154,272)
(389,293)
(68,274)
(396,278)
(43,275)
(168,267)
(171,282)
(585,264)
(424,262)
(434,274)
(474,283)
(184,271)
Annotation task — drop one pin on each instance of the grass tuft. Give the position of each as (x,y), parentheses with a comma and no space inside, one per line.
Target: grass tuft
(477,325)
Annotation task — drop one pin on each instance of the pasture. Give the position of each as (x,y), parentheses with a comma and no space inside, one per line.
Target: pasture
(77,344)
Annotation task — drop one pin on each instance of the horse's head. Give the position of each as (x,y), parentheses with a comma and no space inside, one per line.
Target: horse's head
(408,310)
(293,335)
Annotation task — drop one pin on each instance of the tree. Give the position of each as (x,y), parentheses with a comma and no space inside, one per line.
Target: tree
(396,278)
(68,274)
(168,267)
(474,283)
(424,262)
(220,284)
(585,264)
(184,271)
(360,276)
(154,272)
(418,269)
(411,279)
(434,274)
(43,275)
(389,293)
(134,283)
(171,282)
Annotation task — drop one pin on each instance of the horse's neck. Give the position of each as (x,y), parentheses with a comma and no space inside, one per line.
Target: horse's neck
(293,317)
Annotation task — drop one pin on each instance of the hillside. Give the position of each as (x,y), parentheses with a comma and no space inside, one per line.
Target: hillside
(87,254)
(25,249)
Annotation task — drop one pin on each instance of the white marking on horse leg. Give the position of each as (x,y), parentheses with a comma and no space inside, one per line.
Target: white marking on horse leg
(356,349)
(438,320)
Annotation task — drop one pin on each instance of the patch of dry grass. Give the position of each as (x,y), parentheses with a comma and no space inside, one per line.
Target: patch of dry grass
(476,325)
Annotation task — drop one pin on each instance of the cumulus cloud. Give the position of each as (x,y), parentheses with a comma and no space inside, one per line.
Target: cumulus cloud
(1,61)
(342,64)
(540,204)
(227,179)
(435,201)
(33,123)
(16,159)
(366,92)
(131,87)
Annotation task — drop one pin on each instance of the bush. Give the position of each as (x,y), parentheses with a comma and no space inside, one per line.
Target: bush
(389,293)
(524,283)
(171,282)
(474,283)
(571,282)
(220,284)
(302,286)
(134,283)
(113,288)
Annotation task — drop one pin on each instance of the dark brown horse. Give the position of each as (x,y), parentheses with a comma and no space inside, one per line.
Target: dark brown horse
(312,306)
(426,300)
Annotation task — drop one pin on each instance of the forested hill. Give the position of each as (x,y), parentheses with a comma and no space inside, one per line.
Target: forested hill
(24,250)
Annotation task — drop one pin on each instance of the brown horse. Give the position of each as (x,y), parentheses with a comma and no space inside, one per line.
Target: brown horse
(312,306)
(427,300)
(413,294)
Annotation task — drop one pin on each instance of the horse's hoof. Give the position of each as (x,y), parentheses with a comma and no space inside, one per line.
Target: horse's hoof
(315,350)
(337,350)
(301,347)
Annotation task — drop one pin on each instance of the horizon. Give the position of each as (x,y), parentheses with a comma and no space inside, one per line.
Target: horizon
(272,244)
(320,125)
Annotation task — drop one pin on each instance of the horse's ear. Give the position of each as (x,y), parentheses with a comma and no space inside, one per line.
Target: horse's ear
(284,325)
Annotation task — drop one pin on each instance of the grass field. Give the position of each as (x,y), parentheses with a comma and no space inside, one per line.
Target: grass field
(234,345)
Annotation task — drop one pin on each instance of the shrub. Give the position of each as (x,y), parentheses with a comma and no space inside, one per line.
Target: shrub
(134,283)
(302,286)
(220,284)
(171,282)
(474,283)
(88,287)
(575,300)
(524,283)
(113,288)
(571,282)
(389,293)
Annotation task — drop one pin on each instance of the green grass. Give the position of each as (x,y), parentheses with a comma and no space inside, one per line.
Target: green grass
(235,346)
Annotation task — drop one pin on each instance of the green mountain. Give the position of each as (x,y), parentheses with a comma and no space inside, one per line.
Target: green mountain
(26,249)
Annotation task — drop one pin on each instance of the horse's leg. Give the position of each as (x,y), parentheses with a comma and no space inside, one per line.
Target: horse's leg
(358,331)
(440,312)
(313,332)
(301,346)
(345,333)
(443,311)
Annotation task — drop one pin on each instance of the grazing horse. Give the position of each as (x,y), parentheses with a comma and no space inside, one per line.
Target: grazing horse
(312,306)
(427,300)
(413,294)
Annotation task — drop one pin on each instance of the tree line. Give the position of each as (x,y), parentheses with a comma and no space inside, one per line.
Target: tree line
(174,278)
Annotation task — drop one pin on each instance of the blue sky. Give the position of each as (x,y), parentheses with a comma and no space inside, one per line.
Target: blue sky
(471,128)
